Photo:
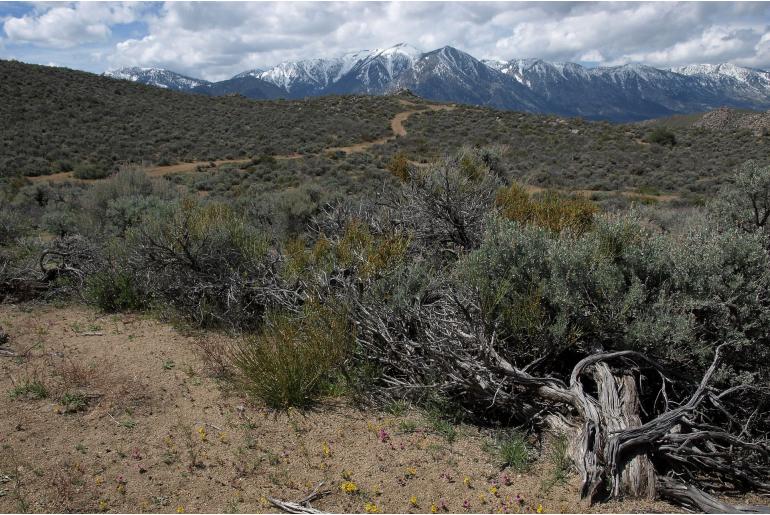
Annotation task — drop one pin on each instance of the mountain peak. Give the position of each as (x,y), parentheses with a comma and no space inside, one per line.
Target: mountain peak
(159,77)
(401,48)
(254,72)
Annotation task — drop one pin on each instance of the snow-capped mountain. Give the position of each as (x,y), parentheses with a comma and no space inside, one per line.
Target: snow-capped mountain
(620,93)
(307,77)
(451,75)
(748,83)
(375,71)
(366,71)
(628,92)
(750,76)
(159,77)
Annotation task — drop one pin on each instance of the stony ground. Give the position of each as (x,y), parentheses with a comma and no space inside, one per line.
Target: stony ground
(122,413)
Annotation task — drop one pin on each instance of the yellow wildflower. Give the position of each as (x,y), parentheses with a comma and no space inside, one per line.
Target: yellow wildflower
(349,487)
(327,451)
(202,433)
(413,500)
(103,505)
(346,474)
(180,509)
(482,498)
(98,480)
(224,438)
(121,488)
(493,490)
(467,482)
(410,472)
(540,508)
(433,508)
(370,507)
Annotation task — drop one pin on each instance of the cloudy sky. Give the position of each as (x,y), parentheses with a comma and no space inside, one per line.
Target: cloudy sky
(216,40)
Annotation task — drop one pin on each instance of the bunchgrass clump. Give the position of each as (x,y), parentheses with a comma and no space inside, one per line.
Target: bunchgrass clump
(559,458)
(513,451)
(72,402)
(29,390)
(291,362)
(442,425)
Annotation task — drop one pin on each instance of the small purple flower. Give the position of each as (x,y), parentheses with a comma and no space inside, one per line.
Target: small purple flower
(467,504)
(383,435)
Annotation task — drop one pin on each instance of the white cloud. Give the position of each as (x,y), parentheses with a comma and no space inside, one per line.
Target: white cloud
(69,25)
(592,56)
(215,40)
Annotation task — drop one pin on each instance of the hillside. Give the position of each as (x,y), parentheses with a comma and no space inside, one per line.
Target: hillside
(58,119)
(570,153)
(87,121)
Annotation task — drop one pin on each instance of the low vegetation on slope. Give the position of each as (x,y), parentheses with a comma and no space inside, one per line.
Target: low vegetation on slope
(63,120)
(57,119)
(571,154)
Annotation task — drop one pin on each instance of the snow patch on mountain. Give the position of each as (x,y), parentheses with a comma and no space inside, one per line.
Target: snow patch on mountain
(750,77)
(322,73)
(158,77)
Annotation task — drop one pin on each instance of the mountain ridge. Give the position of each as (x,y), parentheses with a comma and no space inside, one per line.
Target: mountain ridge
(629,92)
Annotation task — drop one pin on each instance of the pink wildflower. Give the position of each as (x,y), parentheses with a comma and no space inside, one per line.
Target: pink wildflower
(383,435)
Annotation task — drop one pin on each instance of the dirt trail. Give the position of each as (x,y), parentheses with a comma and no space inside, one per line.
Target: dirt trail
(396,125)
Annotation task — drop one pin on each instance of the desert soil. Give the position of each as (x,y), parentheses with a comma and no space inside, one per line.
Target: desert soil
(161,433)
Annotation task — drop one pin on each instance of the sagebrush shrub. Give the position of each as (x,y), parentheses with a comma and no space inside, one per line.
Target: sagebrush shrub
(662,136)
(114,291)
(89,171)
(206,261)
(399,166)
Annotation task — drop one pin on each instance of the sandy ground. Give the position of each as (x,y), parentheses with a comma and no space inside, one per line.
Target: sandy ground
(160,433)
